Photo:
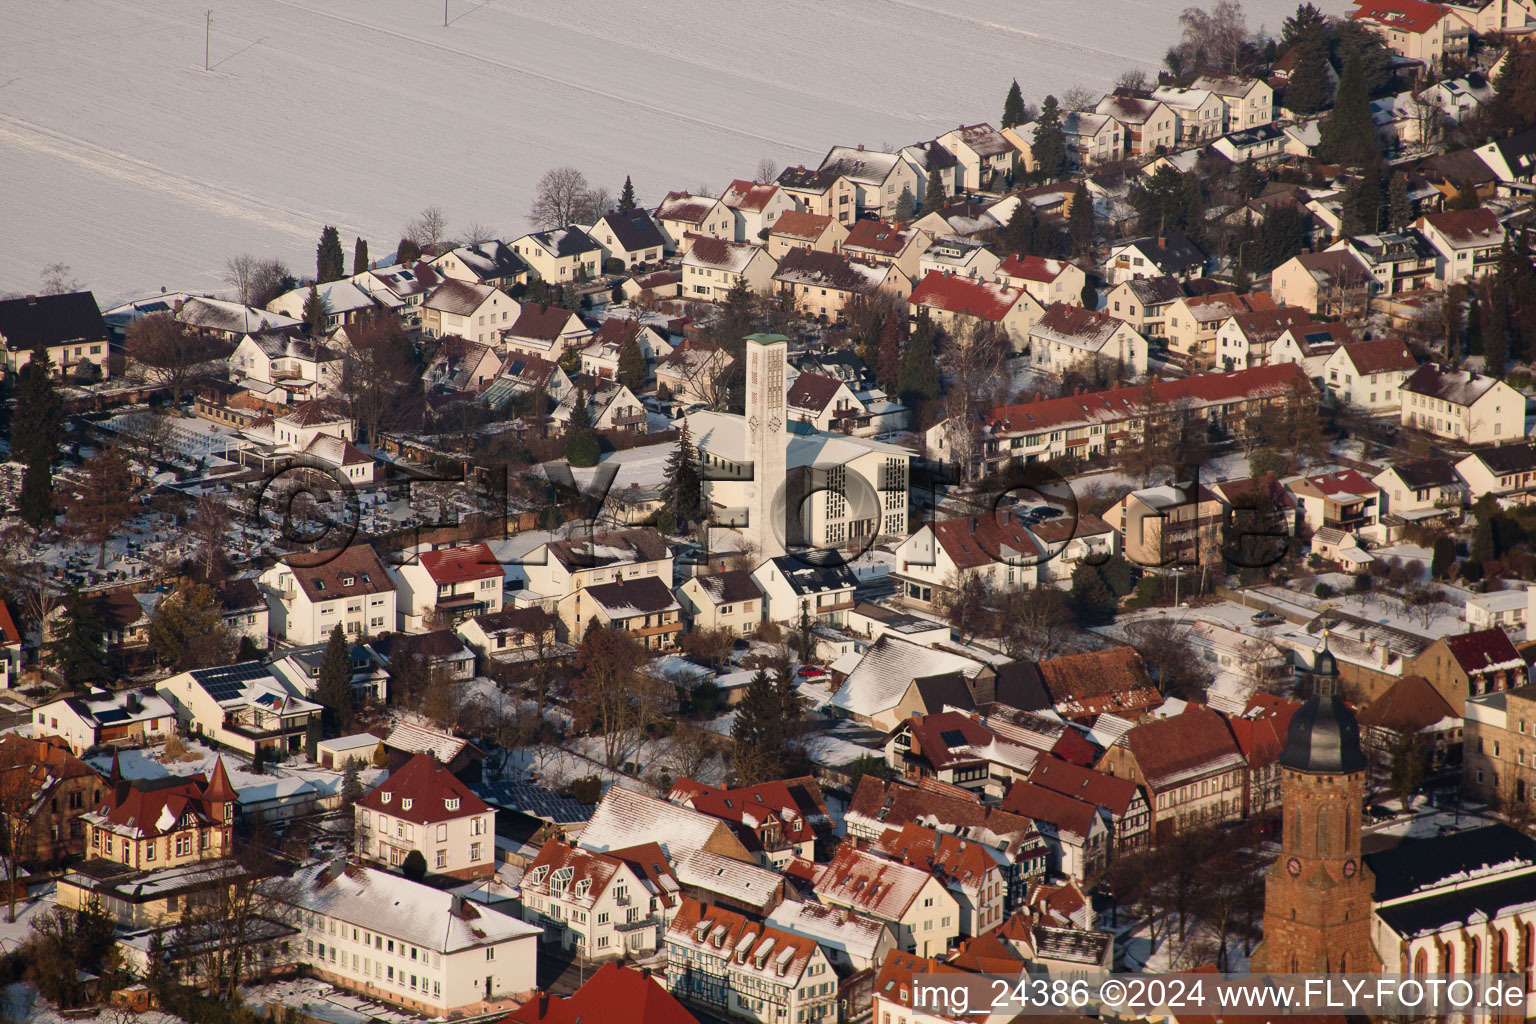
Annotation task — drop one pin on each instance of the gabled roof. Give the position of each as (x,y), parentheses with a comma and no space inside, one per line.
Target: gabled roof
(230,317)
(953,861)
(812,392)
(1169,253)
(748,196)
(586,880)
(1467,229)
(1035,268)
(879,236)
(800,224)
(804,179)
(634,230)
(328,575)
(626,599)
(458,297)
(796,805)
(423,791)
(1484,650)
(888,668)
(1160,290)
(444,747)
(806,580)
(865,166)
(1068,816)
(951,737)
(455,565)
(1410,705)
(626,817)
(1076,326)
(564,242)
(145,808)
(1458,387)
(491,260)
(1382,355)
(815,268)
(836,928)
(1414,16)
(614,993)
(719,254)
(685,208)
(962,295)
(1074,678)
(1426,473)
(1172,750)
(618,547)
(50,320)
(542,322)
(879,804)
(771,956)
(1264,326)
(1508,459)
(731,587)
(983,139)
(871,885)
(1345,485)
(972,541)
(1082,783)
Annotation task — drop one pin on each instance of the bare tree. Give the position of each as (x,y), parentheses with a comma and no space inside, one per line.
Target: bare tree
(598,202)
(766,171)
(171,354)
(475,233)
(209,528)
(57,280)
(239,272)
(26,574)
(1165,646)
(269,279)
(693,749)
(428,228)
(19,787)
(1135,78)
(1213,40)
(1079,98)
(561,197)
(1037,621)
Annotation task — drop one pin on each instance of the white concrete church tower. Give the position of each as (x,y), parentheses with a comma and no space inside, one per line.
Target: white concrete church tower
(767,441)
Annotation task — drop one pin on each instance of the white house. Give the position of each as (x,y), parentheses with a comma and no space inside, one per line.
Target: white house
(309,594)
(1462,405)
(440,587)
(727,600)
(492,263)
(878,178)
(243,706)
(1047,281)
(996,548)
(792,589)
(544,331)
(922,913)
(683,216)
(560,255)
(1368,374)
(344,303)
(1425,489)
(632,238)
(1202,114)
(465,309)
(557,568)
(757,207)
(390,939)
(105,719)
(423,807)
(1170,255)
(1249,101)
(981,153)
(298,369)
(713,266)
(600,906)
(1466,242)
(1066,336)
(1507,470)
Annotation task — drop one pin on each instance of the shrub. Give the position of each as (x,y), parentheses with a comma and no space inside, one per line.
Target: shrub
(1323,590)
(613,265)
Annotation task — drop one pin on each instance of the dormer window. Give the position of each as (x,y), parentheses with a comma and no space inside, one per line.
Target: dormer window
(405,804)
(319,584)
(347,581)
(386,797)
(452,803)
(364,577)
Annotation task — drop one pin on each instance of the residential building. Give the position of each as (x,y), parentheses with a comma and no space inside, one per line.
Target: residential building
(1121,802)
(462,366)
(1202,114)
(242,706)
(491,262)
(958,219)
(1047,281)
(880,241)
(757,207)
(1510,158)
(1067,337)
(1499,746)
(643,609)
(683,217)
(826,403)
(743,969)
(600,905)
(1416,30)
(69,326)
(10,648)
(694,371)
(1467,243)
(442,587)
(100,719)
(1424,489)
(1470,665)
(513,635)
(1461,405)
(465,309)
(852,942)
(399,942)
(1399,262)
(975,875)
(793,589)
(727,600)
(166,822)
(775,821)
(402,288)
(627,818)
(560,567)
(1076,832)
(982,154)
(928,157)
(560,255)
(1261,732)
(1173,524)
(878,178)
(997,549)
(1148,127)
(896,679)
(632,238)
(1346,500)
(1194,322)
(1508,471)
(1249,101)
(48,791)
(1368,374)
(825,192)
(285,368)
(1335,282)
(1170,255)
(959,303)
(613,993)
(1144,302)
(957,749)
(913,901)
(962,257)
(798,229)
(241,601)
(714,266)
(824,284)
(422,807)
(601,357)
(344,302)
(1190,766)
(308,594)
(544,331)
(1247,337)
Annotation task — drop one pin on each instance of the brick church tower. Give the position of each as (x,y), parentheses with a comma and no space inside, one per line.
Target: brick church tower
(1317,896)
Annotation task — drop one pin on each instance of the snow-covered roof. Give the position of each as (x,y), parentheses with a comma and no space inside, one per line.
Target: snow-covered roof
(410,912)
(836,928)
(627,817)
(888,668)
(742,882)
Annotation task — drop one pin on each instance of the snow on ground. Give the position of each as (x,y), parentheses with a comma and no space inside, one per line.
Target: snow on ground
(138,168)
(148,764)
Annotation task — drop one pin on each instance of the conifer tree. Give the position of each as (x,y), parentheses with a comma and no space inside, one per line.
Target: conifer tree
(918,377)
(1049,147)
(1399,209)
(627,197)
(933,192)
(329,261)
(359,255)
(187,629)
(1347,135)
(684,483)
(316,312)
(631,362)
(1013,107)
(1495,331)
(1091,597)
(581,445)
(1080,222)
(407,251)
(77,648)
(103,502)
(1307,90)
(893,339)
(906,206)
(37,431)
(333,687)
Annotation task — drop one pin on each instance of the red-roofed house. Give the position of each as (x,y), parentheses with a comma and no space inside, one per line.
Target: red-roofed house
(1261,733)
(1122,801)
(1415,29)
(1075,830)
(614,993)
(878,241)
(1049,281)
(956,303)
(774,820)
(821,401)
(1195,320)
(713,266)
(955,748)
(1469,665)
(598,905)
(443,587)
(682,214)
(802,230)
(1368,374)
(915,903)
(10,649)
(996,548)
(719,959)
(895,996)
(1065,336)
(1346,500)
(423,806)
(159,823)
(976,875)
(1190,766)
(756,208)
(544,331)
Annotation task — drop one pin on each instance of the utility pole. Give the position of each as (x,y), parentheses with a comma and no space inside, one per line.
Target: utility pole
(445,13)
(208,36)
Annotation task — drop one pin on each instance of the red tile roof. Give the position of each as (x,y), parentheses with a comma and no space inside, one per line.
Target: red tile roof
(961,295)
(951,859)
(1067,813)
(1346,482)
(151,807)
(420,791)
(800,224)
(1411,704)
(972,541)
(1261,730)
(684,207)
(748,195)
(1171,750)
(812,391)
(1033,268)
(1380,356)
(455,565)
(1074,780)
(1484,650)
(796,805)
(878,236)
(10,636)
(1477,226)
(324,575)
(614,993)
(1405,15)
(541,321)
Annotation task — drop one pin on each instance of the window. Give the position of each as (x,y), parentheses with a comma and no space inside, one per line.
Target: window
(490,952)
(474,851)
(442,830)
(442,858)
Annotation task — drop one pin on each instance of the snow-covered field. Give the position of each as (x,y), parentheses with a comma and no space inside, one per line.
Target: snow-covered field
(121,157)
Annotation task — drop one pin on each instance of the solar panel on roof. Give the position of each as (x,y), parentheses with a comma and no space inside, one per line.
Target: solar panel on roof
(227,681)
(953,737)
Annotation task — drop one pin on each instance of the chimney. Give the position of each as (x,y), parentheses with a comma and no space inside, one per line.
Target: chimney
(1162,242)
(861,147)
(31,300)
(543,1005)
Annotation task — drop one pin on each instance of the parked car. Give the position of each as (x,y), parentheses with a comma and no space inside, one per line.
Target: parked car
(1268,619)
(1380,812)
(811,672)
